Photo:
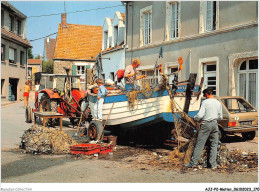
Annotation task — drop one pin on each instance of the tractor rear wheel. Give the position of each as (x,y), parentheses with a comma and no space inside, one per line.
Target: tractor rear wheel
(95,130)
(47,104)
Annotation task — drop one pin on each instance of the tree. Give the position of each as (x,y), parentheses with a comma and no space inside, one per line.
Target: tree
(30,55)
(38,57)
(47,66)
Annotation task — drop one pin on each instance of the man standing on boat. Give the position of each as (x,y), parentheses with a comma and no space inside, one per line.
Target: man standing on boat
(210,112)
(130,75)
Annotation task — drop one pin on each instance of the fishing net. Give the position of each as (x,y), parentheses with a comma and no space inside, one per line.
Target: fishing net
(227,161)
(39,139)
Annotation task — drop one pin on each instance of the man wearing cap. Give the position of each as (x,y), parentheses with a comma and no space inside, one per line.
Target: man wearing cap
(210,112)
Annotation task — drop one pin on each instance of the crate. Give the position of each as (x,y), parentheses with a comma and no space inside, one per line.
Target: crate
(106,149)
(85,149)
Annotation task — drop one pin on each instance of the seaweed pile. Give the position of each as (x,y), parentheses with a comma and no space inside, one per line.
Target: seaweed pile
(39,140)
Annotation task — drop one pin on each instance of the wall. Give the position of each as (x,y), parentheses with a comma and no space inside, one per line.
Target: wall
(12,70)
(116,62)
(191,45)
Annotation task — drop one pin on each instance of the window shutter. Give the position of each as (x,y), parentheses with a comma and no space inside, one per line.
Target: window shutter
(74,70)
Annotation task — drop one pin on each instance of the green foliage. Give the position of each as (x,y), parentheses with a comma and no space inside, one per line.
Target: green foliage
(37,57)
(47,66)
(30,55)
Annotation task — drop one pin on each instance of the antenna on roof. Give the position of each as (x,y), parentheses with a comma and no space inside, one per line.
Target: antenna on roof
(64,7)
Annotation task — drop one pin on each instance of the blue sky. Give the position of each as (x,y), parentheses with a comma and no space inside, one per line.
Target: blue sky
(38,27)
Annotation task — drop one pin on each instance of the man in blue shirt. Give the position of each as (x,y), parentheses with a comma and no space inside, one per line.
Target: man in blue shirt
(102,92)
(210,112)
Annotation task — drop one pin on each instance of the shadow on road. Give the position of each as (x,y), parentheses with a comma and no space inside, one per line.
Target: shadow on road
(30,164)
(236,139)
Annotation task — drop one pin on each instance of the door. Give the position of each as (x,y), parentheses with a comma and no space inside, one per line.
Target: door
(210,79)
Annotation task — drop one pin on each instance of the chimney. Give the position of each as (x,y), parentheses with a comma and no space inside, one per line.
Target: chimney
(48,39)
(63,19)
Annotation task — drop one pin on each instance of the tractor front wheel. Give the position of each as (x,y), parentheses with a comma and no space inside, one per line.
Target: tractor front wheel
(95,131)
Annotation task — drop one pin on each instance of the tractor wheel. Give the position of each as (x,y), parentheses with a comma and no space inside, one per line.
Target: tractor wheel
(47,104)
(95,129)
(28,114)
(248,135)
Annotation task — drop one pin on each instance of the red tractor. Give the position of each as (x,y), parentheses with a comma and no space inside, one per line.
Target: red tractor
(62,94)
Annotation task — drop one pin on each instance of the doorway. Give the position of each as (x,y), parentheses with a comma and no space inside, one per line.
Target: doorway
(13,87)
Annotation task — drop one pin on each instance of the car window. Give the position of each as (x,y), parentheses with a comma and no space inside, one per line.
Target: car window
(237,105)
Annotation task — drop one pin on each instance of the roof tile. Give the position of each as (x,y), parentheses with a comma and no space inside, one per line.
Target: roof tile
(78,42)
(8,34)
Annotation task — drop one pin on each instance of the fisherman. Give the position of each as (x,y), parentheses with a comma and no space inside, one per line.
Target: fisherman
(130,75)
(102,92)
(210,112)
(26,88)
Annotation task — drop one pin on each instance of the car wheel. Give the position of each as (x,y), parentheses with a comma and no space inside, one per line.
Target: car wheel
(248,135)
(221,135)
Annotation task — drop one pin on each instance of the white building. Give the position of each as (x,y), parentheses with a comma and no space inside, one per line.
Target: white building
(113,46)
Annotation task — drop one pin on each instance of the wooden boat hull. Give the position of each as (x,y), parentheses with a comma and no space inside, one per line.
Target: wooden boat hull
(156,108)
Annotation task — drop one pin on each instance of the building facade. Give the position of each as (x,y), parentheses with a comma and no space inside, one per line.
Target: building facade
(34,66)
(113,47)
(216,39)
(76,48)
(49,48)
(14,51)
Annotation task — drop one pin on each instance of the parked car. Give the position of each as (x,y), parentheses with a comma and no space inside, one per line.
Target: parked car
(239,116)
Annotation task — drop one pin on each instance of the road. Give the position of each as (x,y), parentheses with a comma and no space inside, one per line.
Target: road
(18,167)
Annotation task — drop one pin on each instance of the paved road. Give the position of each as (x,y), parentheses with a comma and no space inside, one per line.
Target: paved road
(25,168)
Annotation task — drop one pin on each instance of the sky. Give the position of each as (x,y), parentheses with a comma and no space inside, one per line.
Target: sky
(38,27)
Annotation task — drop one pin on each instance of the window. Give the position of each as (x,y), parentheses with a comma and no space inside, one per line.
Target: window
(12,55)
(2,52)
(19,27)
(80,70)
(105,39)
(22,58)
(247,79)
(11,23)
(146,26)
(112,76)
(115,35)
(150,74)
(174,20)
(2,18)
(210,77)
(210,16)
(103,76)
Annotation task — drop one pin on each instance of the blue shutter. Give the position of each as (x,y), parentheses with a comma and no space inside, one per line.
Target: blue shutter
(74,70)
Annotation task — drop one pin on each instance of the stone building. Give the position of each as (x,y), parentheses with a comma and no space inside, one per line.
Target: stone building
(14,51)
(76,48)
(218,40)
(113,47)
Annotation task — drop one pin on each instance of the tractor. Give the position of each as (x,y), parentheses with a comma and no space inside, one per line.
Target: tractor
(62,94)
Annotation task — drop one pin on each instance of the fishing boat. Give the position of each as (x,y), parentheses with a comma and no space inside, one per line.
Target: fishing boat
(156,107)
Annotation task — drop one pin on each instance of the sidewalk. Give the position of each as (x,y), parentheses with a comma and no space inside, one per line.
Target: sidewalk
(31,98)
